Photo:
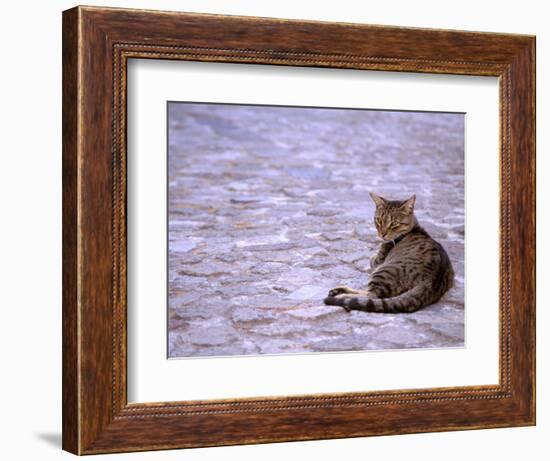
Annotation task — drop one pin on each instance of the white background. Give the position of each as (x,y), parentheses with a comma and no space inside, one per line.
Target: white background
(30,243)
(153,378)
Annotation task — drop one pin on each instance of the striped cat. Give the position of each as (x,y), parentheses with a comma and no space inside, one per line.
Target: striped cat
(410,271)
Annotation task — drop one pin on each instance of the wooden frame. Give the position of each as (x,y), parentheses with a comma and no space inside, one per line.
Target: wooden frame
(97,43)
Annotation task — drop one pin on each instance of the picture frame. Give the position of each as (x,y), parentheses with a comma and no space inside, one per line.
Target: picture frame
(97,44)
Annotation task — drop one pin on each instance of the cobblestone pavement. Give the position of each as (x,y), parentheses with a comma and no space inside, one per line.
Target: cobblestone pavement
(269,209)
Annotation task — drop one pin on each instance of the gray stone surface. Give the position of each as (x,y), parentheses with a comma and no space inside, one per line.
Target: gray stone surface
(269,209)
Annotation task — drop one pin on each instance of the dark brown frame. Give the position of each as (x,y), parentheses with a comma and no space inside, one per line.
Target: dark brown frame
(97,43)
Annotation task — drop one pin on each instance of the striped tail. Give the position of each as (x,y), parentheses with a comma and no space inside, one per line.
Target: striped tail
(407,302)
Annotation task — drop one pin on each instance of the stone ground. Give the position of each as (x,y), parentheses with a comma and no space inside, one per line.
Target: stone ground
(269,209)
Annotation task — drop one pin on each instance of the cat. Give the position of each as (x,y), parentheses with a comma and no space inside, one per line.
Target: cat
(410,271)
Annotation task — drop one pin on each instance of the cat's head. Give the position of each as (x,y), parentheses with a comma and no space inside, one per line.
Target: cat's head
(393,218)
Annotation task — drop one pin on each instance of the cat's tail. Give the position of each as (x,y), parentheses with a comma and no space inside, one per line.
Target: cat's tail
(407,302)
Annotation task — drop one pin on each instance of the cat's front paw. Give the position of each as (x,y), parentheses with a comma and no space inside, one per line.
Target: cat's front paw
(339,290)
(374,261)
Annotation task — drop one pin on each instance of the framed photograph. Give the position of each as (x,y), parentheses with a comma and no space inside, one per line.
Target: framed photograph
(281,230)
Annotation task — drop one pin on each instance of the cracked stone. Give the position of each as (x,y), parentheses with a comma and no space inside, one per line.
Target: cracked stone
(206,269)
(211,336)
(246,314)
(315,312)
(308,292)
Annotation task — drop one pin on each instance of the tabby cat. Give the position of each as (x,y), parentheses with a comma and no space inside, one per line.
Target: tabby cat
(410,271)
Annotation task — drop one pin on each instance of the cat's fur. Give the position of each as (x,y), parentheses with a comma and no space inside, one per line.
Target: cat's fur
(410,271)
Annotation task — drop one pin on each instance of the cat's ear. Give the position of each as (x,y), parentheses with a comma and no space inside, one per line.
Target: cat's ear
(379,201)
(408,205)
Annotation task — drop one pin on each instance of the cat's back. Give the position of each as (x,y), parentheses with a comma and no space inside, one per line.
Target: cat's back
(419,250)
